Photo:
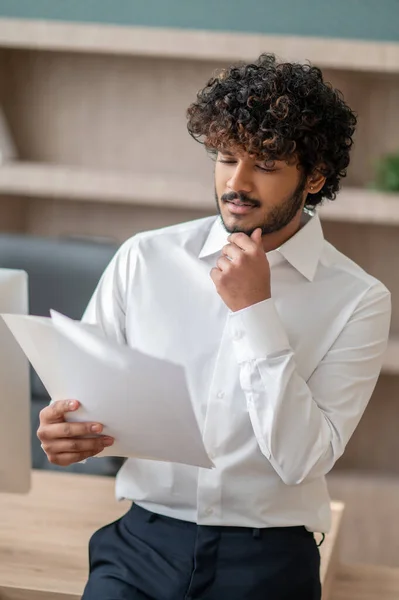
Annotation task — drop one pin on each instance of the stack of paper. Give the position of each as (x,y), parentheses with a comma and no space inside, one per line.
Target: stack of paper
(143,402)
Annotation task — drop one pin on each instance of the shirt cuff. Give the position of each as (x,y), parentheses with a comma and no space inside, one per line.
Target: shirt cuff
(257,331)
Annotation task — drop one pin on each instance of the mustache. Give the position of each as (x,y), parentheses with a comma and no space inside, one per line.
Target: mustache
(231,196)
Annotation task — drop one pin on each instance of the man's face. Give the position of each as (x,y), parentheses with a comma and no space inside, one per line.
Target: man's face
(251,194)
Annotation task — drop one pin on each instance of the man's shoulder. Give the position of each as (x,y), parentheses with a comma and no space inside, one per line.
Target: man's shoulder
(338,262)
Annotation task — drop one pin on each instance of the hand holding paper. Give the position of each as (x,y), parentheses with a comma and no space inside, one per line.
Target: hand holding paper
(67,443)
(143,402)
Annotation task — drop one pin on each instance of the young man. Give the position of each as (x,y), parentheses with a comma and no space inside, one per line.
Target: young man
(282,338)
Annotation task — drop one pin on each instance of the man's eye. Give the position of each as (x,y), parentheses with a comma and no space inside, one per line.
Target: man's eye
(267,169)
(227,162)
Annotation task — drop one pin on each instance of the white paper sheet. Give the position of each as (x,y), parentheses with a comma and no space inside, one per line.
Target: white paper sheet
(143,402)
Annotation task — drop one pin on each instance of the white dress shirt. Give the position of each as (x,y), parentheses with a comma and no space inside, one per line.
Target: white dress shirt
(278,388)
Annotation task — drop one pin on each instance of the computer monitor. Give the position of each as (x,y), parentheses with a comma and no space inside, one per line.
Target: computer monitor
(15,442)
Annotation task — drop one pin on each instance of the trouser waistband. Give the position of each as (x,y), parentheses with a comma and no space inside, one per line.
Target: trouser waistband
(150,517)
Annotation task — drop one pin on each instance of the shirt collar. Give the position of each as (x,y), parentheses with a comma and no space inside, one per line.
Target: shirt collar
(302,250)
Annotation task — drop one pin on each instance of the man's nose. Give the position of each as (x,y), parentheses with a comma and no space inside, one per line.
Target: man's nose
(240,179)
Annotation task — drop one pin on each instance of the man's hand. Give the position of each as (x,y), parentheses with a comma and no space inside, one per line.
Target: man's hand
(63,442)
(243,278)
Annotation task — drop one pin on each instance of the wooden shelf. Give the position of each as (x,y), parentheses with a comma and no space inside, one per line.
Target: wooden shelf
(77,183)
(363,206)
(197,45)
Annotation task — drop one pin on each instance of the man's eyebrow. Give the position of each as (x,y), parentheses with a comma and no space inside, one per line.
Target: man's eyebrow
(225,152)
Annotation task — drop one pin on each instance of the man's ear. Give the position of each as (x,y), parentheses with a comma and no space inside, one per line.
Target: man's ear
(316,181)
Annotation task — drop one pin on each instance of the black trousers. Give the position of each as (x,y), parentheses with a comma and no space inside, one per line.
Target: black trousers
(144,556)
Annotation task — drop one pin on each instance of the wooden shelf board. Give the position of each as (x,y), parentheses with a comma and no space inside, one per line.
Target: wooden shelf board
(77,183)
(197,45)
(359,205)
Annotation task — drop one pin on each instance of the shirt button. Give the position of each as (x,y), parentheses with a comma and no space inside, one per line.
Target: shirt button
(209,512)
(237,335)
(220,395)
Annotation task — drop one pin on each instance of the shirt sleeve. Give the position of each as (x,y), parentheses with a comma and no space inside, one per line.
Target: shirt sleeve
(302,427)
(107,307)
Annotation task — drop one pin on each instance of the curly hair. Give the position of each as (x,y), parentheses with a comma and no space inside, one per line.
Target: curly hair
(277,111)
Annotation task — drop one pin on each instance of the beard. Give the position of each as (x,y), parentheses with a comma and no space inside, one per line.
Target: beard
(277,218)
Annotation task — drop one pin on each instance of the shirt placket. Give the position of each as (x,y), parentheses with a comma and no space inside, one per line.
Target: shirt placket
(209,490)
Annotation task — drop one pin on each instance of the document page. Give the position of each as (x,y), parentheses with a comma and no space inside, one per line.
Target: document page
(142,401)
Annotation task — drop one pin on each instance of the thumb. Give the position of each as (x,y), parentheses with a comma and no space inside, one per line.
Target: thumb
(256,235)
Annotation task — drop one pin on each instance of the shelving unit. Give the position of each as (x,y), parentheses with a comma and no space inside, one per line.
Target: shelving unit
(97,113)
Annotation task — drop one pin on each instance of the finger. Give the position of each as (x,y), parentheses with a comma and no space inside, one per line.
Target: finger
(55,412)
(55,431)
(232,251)
(257,236)
(215,275)
(69,458)
(243,241)
(77,445)
(223,263)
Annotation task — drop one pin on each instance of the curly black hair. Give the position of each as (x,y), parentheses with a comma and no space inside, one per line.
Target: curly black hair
(277,111)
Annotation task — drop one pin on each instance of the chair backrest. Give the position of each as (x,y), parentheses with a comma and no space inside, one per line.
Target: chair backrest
(63,274)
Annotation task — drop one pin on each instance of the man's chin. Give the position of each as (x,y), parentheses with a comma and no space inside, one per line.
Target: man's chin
(241,225)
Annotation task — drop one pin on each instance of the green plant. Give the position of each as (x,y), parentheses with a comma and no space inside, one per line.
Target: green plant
(387,173)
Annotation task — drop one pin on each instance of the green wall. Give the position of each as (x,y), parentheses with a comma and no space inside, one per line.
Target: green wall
(357,19)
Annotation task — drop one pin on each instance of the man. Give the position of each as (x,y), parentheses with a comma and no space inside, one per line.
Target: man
(282,339)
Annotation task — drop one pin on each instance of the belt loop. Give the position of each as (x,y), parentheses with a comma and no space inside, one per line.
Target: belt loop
(256,533)
(322,540)
(152,517)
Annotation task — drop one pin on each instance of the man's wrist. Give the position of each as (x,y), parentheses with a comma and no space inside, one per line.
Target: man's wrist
(247,303)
